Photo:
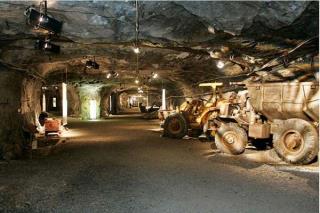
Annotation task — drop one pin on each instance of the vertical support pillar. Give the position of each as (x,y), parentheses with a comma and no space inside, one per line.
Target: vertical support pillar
(44,105)
(163,99)
(64,104)
(110,104)
(93,109)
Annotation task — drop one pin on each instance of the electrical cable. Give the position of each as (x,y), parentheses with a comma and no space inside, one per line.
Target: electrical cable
(137,38)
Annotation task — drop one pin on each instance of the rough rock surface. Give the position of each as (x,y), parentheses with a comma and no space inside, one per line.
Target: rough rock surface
(177,21)
(176,36)
(19,108)
(178,40)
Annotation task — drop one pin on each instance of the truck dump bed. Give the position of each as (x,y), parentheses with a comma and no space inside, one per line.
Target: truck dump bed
(286,100)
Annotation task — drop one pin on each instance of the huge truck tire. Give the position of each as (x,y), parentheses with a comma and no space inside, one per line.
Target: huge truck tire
(296,141)
(231,138)
(175,126)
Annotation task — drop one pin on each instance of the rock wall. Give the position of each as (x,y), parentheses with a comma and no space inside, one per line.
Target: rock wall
(74,103)
(98,21)
(19,107)
(10,94)
(105,101)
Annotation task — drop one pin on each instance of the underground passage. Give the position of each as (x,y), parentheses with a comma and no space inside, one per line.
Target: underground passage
(159,106)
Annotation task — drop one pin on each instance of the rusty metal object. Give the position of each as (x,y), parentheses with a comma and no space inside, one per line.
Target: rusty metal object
(52,125)
(259,130)
(286,100)
(293,141)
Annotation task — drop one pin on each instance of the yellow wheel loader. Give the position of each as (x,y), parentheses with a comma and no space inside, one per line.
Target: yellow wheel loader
(192,116)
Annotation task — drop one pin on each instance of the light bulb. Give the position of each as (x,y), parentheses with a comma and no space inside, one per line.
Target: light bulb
(108,75)
(155,75)
(220,64)
(140,90)
(136,81)
(136,50)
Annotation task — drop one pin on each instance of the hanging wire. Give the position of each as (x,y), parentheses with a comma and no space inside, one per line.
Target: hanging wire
(137,64)
(43,7)
(66,75)
(137,37)
(137,23)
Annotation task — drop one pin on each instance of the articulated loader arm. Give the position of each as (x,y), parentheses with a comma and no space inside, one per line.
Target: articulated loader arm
(212,85)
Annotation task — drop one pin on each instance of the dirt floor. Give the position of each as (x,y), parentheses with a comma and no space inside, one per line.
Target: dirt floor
(123,165)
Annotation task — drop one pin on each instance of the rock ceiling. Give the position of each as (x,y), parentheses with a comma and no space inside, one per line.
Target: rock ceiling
(176,38)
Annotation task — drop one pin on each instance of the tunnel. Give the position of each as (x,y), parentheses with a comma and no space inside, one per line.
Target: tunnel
(159,106)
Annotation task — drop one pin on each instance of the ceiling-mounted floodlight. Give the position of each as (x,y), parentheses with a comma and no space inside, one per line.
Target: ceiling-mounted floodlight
(220,64)
(47,46)
(154,75)
(140,90)
(112,74)
(42,20)
(92,64)
(136,49)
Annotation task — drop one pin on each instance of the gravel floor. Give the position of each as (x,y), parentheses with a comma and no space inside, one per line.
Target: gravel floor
(123,165)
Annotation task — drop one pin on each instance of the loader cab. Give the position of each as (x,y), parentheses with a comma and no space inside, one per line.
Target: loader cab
(215,95)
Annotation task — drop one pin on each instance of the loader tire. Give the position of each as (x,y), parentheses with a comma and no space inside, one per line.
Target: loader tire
(175,126)
(231,138)
(296,142)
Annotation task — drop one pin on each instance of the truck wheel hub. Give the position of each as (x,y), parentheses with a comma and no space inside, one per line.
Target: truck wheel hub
(175,125)
(230,137)
(293,141)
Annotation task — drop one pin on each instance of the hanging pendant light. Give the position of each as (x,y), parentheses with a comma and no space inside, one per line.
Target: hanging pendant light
(220,64)
(136,50)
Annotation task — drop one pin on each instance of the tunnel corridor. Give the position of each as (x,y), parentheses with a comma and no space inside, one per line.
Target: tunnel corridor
(159,106)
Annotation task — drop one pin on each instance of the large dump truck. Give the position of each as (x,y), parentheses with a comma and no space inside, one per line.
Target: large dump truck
(292,110)
(287,112)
